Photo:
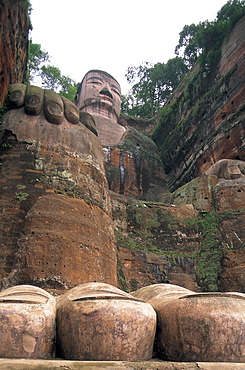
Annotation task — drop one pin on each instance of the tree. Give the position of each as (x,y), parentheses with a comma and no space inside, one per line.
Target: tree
(37,57)
(232,11)
(50,75)
(68,87)
(154,86)
(199,40)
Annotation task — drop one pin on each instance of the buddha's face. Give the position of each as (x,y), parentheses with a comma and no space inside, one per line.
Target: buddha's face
(100,95)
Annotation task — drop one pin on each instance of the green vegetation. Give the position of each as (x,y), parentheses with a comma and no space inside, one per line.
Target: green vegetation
(3,110)
(20,195)
(29,10)
(155,85)
(190,108)
(209,252)
(51,76)
(121,278)
(156,231)
(197,43)
(6,145)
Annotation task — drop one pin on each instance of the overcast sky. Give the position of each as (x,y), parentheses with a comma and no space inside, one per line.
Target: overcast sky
(111,35)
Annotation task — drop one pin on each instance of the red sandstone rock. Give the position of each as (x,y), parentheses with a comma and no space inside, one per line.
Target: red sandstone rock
(27,322)
(65,242)
(69,233)
(134,167)
(228,169)
(232,276)
(229,200)
(208,123)
(196,192)
(229,195)
(159,294)
(99,322)
(203,327)
(13,43)
(232,52)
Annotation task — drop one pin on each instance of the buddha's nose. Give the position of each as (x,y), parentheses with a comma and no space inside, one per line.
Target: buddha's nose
(106,91)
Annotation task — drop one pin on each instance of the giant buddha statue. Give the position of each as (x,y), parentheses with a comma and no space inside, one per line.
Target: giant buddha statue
(99,95)
(56,184)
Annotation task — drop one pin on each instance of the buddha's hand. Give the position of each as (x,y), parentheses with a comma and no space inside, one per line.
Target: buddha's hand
(35,100)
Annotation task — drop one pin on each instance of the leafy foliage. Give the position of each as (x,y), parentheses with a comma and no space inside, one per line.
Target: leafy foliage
(210,252)
(155,84)
(51,76)
(37,57)
(200,39)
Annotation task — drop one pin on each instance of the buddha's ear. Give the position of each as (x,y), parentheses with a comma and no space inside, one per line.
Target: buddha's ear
(75,101)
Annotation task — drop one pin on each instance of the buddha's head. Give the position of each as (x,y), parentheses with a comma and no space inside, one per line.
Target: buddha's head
(99,94)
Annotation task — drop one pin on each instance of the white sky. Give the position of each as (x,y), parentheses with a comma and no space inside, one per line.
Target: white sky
(111,35)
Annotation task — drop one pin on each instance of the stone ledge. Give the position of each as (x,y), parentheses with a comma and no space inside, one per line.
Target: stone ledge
(35,364)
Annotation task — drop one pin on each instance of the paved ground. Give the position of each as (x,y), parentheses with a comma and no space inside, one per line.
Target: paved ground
(19,364)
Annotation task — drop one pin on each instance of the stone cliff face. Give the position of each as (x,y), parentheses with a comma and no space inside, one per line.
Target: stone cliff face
(203,121)
(61,204)
(134,167)
(14,29)
(56,227)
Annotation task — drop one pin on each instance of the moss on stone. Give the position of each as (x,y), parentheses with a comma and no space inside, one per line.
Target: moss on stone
(173,137)
(209,252)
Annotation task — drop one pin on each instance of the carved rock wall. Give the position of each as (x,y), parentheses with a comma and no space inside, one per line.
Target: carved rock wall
(195,238)
(206,120)
(229,201)
(156,243)
(14,29)
(134,167)
(56,227)
(221,202)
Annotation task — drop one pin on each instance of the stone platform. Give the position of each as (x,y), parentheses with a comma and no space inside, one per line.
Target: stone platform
(25,364)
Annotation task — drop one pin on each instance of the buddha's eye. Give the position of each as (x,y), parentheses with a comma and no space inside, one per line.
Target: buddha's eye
(116,91)
(94,81)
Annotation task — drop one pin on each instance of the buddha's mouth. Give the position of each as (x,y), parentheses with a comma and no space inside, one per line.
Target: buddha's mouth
(106,95)
(107,98)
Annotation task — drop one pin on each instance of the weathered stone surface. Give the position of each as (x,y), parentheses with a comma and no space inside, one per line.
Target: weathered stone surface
(156,243)
(207,327)
(99,94)
(65,242)
(191,137)
(27,322)
(139,268)
(159,294)
(13,43)
(144,125)
(109,133)
(233,52)
(229,200)
(232,276)
(75,138)
(229,195)
(134,167)
(40,159)
(7,364)
(196,192)
(228,169)
(99,322)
